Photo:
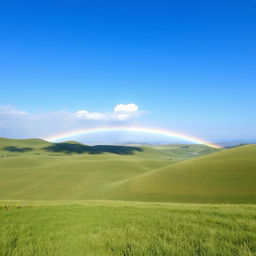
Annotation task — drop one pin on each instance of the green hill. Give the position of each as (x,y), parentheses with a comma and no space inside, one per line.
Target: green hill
(25,146)
(66,177)
(176,152)
(35,169)
(225,177)
(185,151)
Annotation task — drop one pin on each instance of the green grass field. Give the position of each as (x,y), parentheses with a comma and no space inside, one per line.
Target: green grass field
(73,199)
(120,228)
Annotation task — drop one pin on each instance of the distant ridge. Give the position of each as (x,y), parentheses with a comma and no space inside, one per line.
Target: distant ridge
(39,146)
(32,140)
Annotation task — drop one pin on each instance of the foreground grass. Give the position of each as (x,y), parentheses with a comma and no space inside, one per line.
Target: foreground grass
(126,228)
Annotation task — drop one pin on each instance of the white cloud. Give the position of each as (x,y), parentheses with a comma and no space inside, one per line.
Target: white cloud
(126,108)
(16,123)
(91,115)
(122,112)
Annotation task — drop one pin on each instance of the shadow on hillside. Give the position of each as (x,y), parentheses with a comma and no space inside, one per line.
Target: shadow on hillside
(69,148)
(16,149)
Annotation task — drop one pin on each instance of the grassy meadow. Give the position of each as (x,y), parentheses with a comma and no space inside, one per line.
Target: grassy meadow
(125,228)
(74,199)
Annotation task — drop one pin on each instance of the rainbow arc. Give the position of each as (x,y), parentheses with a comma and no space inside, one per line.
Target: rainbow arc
(168,133)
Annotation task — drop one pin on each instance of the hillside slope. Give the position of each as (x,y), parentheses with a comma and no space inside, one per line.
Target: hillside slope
(43,177)
(39,170)
(225,177)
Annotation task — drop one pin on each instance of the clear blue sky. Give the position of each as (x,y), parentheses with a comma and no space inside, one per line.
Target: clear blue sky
(190,64)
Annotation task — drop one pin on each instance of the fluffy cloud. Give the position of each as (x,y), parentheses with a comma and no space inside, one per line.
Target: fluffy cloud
(16,123)
(122,112)
(91,115)
(126,108)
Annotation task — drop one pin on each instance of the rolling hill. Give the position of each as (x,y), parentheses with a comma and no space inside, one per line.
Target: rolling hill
(35,169)
(177,152)
(225,177)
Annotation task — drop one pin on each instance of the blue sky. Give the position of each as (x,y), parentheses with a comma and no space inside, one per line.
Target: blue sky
(188,65)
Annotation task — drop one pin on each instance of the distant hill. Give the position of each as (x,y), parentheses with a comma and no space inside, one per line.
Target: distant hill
(16,146)
(225,177)
(177,152)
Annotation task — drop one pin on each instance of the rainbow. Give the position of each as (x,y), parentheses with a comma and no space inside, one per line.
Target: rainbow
(158,131)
